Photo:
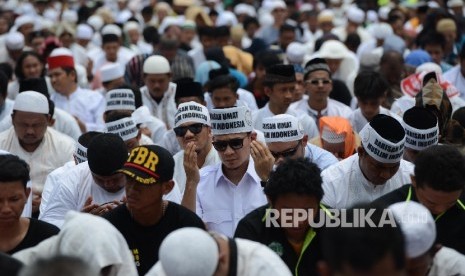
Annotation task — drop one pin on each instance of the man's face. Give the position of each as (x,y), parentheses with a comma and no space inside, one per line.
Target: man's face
(435,51)
(157,84)
(437,202)
(337,149)
(299,87)
(293,202)
(281,94)
(30,127)
(201,139)
(111,51)
(251,30)
(279,15)
(234,158)
(223,97)
(318,84)
(26,29)
(207,42)
(370,108)
(187,35)
(32,68)
(133,36)
(312,22)
(285,38)
(37,43)
(374,171)
(66,39)
(112,184)
(283,150)
(61,81)
(13,197)
(326,27)
(141,197)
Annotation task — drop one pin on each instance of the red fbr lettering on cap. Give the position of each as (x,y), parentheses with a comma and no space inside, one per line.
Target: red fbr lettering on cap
(60,61)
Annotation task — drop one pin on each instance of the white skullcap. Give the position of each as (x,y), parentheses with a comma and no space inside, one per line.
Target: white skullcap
(31,101)
(226,18)
(305,7)
(189,251)
(84,31)
(383,12)
(131,25)
(95,21)
(191,112)
(120,99)
(428,67)
(156,65)
(23,20)
(381,30)
(62,51)
(333,49)
(332,137)
(455,3)
(417,225)
(167,22)
(295,52)
(14,41)
(265,19)
(231,120)
(372,16)
(276,4)
(326,16)
(69,16)
(379,148)
(142,115)
(111,29)
(111,71)
(245,9)
(356,15)
(51,14)
(124,128)
(433,5)
(80,153)
(282,128)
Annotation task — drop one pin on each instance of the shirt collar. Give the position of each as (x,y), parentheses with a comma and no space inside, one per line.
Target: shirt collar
(250,173)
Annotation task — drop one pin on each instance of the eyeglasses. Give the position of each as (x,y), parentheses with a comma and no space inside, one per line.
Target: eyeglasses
(194,128)
(319,81)
(286,153)
(235,144)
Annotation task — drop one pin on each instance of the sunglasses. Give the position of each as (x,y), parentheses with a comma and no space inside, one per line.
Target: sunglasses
(194,128)
(235,144)
(319,81)
(286,153)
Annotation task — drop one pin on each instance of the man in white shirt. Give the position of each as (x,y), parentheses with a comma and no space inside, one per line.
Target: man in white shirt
(280,87)
(318,85)
(94,186)
(30,138)
(158,92)
(376,170)
(226,192)
(85,105)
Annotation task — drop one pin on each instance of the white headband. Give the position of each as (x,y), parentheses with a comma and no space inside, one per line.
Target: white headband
(120,99)
(231,120)
(80,153)
(282,128)
(191,112)
(380,149)
(124,128)
(420,139)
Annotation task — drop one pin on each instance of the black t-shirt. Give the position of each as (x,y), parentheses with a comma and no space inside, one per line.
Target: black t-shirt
(253,227)
(37,232)
(144,241)
(450,226)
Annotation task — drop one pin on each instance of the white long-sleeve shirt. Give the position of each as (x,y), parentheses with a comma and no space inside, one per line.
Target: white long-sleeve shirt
(333,108)
(345,185)
(166,109)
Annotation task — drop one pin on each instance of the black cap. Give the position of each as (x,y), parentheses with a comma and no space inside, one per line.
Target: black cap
(388,128)
(186,87)
(316,64)
(149,165)
(280,73)
(106,154)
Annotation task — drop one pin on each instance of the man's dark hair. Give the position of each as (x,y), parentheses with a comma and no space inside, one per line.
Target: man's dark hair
(57,266)
(286,28)
(3,85)
(222,31)
(370,86)
(87,137)
(147,10)
(13,168)
(151,35)
(361,248)
(266,59)
(250,20)
(19,64)
(296,176)
(6,68)
(223,81)
(440,167)
(433,38)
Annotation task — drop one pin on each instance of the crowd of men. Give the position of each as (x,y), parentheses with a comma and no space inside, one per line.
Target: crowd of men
(208,137)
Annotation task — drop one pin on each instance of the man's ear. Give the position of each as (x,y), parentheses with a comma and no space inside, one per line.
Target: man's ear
(167,187)
(360,151)
(267,90)
(305,140)
(51,122)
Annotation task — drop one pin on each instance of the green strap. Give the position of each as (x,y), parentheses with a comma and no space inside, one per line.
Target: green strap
(409,196)
(461,204)
(308,239)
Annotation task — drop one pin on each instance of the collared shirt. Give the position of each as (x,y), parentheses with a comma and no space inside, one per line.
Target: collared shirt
(166,109)
(53,152)
(345,185)
(222,204)
(358,121)
(179,176)
(333,108)
(308,123)
(321,157)
(86,105)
